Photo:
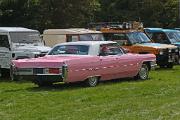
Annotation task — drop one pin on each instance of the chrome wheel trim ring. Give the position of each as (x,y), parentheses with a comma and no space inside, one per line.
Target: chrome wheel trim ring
(143,73)
(93,81)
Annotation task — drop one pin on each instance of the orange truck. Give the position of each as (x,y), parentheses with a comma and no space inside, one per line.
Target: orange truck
(131,37)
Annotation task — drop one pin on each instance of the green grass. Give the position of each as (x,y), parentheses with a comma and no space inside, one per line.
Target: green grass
(156,98)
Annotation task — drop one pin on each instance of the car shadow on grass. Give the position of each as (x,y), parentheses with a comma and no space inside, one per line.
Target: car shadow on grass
(79,85)
(167,69)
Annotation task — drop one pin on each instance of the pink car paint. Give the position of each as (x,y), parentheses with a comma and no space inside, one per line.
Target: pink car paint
(81,67)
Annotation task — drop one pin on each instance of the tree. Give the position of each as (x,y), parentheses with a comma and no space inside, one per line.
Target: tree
(67,13)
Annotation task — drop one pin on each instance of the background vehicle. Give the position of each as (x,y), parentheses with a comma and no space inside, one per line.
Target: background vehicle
(132,37)
(52,37)
(19,43)
(84,61)
(165,36)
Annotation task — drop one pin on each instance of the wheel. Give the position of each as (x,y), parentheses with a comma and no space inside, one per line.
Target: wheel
(92,81)
(4,73)
(162,66)
(12,76)
(178,62)
(15,78)
(0,73)
(42,83)
(170,65)
(143,72)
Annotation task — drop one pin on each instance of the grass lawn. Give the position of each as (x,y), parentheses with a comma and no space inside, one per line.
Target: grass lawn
(156,98)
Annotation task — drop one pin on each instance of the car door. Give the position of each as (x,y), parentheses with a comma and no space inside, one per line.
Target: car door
(108,60)
(108,70)
(129,65)
(5,53)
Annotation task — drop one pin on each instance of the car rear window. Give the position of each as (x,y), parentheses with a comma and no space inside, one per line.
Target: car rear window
(70,49)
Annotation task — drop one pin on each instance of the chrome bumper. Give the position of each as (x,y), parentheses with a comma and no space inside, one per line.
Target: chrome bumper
(153,65)
(40,72)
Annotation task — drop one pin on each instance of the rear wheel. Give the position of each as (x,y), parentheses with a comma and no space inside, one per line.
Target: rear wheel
(170,65)
(41,83)
(92,81)
(143,72)
(12,76)
(0,73)
(15,78)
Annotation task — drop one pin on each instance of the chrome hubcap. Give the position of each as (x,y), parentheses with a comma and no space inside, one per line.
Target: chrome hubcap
(93,81)
(143,73)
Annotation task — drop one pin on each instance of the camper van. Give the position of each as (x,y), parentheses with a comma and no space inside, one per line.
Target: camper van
(52,37)
(18,43)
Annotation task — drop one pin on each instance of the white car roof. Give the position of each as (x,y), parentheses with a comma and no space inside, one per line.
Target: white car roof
(86,43)
(69,31)
(16,29)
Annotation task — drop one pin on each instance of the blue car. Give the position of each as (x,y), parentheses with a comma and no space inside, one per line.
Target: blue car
(165,36)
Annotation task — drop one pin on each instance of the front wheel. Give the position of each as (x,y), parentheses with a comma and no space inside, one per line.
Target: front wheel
(92,81)
(43,84)
(143,72)
(178,61)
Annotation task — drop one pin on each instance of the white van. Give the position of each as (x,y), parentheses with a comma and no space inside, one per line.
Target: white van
(52,37)
(19,43)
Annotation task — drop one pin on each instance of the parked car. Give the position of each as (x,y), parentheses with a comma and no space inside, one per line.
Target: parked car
(83,61)
(165,36)
(19,43)
(52,37)
(131,36)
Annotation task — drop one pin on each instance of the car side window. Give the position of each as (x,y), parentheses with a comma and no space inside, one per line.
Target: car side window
(72,38)
(160,38)
(110,49)
(4,41)
(120,38)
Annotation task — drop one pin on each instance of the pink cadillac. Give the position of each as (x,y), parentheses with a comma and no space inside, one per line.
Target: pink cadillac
(86,61)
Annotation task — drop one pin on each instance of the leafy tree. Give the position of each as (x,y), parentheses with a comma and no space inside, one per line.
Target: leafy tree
(67,13)
(44,14)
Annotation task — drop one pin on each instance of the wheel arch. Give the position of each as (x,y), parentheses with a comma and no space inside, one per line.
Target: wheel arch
(148,63)
(99,77)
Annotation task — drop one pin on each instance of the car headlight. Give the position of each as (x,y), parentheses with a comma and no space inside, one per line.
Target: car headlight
(170,50)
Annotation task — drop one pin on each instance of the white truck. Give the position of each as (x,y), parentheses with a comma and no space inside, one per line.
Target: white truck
(52,37)
(19,43)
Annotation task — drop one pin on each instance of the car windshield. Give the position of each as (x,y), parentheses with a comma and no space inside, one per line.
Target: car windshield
(70,49)
(173,36)
(25,37)
(138,37)
(91,37)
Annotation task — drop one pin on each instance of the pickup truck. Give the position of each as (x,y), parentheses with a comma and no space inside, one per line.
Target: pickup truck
(19,43)
(166,36)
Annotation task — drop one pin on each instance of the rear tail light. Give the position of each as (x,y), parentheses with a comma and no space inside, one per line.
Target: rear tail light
(54,70)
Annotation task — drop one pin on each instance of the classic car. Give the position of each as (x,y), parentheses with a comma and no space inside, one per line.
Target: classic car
(88,61)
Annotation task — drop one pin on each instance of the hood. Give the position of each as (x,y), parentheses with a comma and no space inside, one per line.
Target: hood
(33,48)
(158,45)
(47,61)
